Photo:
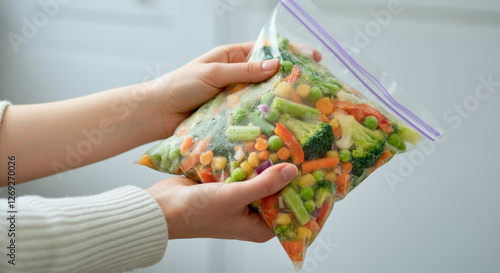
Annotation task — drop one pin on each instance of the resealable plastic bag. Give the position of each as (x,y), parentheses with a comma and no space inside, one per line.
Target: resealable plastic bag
(328,111)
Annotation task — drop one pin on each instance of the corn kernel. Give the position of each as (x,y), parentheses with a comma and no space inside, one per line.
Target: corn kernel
(303,90)
(246,167)
(303,234)
(331,176)
(283,219)
(273,157)
(253,160)
(334,123)
(332,154)
(306,180)
(283,89)
(219,163)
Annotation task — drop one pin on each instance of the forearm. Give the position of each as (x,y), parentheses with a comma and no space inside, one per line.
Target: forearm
(54,137)
(114,231)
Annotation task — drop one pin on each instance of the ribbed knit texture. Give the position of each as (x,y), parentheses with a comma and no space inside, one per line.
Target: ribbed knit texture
(116,231)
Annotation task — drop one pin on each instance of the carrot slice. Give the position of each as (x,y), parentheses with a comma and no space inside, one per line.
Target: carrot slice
(186,145)
(321,163)
(294,96)
(343,183)
(325,106)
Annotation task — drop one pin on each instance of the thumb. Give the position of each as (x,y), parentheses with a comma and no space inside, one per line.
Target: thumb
(231,73)
(269,182)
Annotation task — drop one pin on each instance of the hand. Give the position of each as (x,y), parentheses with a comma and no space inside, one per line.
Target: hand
(218,210)
(188,87)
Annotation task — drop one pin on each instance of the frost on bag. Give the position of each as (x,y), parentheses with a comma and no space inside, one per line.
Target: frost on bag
(304,115)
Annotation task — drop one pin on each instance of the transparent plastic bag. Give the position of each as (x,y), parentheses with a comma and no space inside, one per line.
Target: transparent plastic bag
(334,119)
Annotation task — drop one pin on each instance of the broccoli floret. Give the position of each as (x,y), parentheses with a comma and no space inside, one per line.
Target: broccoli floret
(315,138)
(368,144)
(324,189)
(285,232)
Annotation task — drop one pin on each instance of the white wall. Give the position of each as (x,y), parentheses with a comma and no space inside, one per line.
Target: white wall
(440,216)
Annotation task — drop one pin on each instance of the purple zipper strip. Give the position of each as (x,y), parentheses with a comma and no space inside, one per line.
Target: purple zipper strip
(363,71)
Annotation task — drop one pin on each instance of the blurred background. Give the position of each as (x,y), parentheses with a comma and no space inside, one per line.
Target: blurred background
(430,210)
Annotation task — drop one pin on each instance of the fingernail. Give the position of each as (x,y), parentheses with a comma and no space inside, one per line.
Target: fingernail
(289,172)
(269,65)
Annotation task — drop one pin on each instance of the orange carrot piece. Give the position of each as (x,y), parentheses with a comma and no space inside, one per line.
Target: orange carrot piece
(146,161)
(189,162)
(324,118)
(347,167)
(313,226)
(325,106)
(337,132)
(384,158)
(343,183)
(206,157)
(261,144)
(201,146)
(294,96)
(238,87)
(250,147)
(263,155)
(283,153)
(321,163)
(186,145)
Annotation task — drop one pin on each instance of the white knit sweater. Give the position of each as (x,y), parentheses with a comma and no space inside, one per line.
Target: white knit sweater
(115,231)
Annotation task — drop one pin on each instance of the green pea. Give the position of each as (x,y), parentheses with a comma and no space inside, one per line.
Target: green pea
(402,146)
(273,115)
(394,140)
(310,206)
(318,175)
(275,143)
(174,154)
(315,94)
(239,174)
(370,122)
(344,155)
(306,193)
(229,180)
(287,66)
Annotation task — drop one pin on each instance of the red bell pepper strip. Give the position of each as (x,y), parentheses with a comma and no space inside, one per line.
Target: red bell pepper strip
(295,150)
(323,212)
(295,250)
(206,175)
(361,111)
(270,209)
(293,76)
(313,225)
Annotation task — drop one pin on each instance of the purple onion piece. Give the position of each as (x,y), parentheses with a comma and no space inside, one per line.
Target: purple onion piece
(264,166)
(264,108)
(315,213)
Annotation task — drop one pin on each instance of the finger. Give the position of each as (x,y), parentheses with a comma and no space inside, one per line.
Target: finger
(232,53)
(221,75)
(269,182)
(254,229)
(306,50)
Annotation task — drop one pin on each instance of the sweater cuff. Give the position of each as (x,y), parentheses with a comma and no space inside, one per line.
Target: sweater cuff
(119,230)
